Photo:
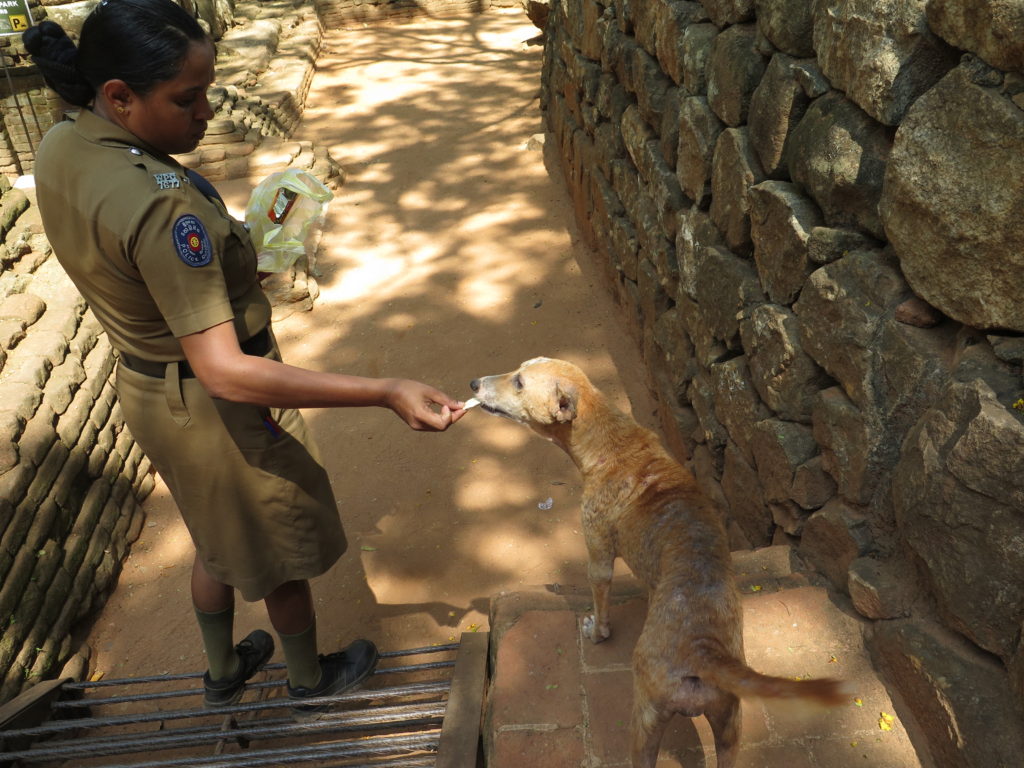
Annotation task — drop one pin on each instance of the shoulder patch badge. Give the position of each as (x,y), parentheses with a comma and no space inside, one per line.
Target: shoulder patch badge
(167,180)
(191,241)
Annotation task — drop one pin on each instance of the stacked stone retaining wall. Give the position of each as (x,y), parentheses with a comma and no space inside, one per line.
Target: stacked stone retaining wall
(811,214)
(71,476)
(340,12)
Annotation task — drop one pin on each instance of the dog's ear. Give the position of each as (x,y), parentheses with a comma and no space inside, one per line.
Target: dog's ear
(564,407)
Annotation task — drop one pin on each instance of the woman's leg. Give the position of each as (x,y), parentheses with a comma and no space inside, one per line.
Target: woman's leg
(293,615)
(214,604)
(230,665)
(290,607)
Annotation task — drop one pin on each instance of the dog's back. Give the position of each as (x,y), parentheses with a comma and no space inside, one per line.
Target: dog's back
(673,539)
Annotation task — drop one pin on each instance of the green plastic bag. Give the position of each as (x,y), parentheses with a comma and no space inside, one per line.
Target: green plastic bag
(282,211)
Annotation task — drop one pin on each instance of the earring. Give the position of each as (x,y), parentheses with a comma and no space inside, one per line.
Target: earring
(120,109)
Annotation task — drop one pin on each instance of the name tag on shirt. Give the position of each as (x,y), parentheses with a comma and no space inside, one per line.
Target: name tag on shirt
(167,180)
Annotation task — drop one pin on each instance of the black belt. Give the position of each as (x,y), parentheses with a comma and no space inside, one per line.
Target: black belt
(259,345)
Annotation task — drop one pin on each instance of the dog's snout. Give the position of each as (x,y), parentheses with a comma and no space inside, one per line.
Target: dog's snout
(475,385)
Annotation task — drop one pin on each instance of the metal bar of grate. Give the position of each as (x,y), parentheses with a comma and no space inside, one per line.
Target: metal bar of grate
(411,715)
(82,704)
(367,747)
(162,716)
(86,685)
(395,721)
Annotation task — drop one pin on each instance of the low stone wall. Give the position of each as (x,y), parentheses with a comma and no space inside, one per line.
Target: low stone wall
(71,476)
(341,12)
(810,212)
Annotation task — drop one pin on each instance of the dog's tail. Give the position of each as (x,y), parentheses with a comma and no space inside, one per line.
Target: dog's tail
(724,671)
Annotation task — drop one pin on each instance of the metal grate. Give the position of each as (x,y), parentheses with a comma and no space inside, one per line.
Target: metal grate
(421,708)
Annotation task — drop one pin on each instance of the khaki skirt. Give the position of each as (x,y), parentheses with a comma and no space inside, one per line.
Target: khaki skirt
(247,479)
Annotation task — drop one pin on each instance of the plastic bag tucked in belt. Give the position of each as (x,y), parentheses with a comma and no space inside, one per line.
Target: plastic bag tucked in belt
(282,211)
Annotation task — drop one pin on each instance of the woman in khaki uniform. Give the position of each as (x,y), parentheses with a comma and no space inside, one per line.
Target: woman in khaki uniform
(172,278)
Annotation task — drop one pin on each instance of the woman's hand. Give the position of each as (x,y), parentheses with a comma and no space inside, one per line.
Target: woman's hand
(414,403)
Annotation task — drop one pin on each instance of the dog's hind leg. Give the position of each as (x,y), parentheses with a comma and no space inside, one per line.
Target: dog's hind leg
(597,627)
(647,728)
(723,715)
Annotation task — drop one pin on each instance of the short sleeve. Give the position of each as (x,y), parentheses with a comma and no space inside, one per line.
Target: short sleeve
(177,247)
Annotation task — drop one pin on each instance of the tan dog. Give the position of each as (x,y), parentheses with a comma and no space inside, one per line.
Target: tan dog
(640,504)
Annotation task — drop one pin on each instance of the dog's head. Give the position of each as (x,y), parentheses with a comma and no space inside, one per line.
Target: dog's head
(541,393)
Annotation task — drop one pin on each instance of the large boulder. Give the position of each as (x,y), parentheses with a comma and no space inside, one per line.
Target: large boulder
(958,495)
(952,199)
(673,19)
(959,698)
(778,103)
(726,12)
(737,404)
(735,67)
(881,53)
(781,219)
(842,309)
(725,284)
(992,29)
(787,24)
(785,376)
(839,155)
(734,170)
(699,129)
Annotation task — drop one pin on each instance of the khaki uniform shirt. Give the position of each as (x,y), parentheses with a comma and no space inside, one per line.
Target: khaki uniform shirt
(154,257)
(156,260)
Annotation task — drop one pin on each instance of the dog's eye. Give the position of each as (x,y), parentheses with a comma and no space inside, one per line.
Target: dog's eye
(517,382)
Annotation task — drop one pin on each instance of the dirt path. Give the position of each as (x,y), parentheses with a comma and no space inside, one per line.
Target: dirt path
(449,254)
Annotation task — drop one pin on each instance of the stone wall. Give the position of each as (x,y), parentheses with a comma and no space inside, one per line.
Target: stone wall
(339,12)
(811,215)
(71,477)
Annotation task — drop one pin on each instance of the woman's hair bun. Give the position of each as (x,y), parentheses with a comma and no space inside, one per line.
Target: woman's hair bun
(49,40)
(54,53)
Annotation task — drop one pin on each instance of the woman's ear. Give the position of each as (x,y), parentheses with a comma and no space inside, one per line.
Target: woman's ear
(118,95)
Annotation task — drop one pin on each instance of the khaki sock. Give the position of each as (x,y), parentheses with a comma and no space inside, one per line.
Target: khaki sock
(300,655)
(218,640)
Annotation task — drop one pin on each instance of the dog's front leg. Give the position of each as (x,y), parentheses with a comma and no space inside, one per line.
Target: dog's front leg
(601,551)
(596,626)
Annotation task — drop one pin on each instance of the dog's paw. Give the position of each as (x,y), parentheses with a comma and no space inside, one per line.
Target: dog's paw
(593,632)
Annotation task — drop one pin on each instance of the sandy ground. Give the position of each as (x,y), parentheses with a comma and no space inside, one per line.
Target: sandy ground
(449,253)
